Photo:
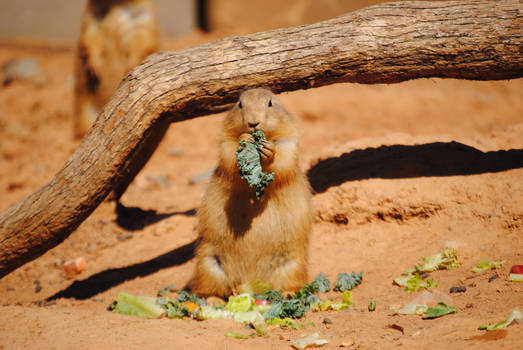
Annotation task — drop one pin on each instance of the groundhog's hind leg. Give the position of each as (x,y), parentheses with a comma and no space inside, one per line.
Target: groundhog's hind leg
(210,278)
(290,276)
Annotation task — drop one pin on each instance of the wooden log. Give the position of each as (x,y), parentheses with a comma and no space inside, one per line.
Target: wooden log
(388,43)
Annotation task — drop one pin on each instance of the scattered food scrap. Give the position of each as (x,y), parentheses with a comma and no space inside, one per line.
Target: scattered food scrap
(236,335)
(74,267)
(347,281)
(514,315)
(439,310)
(372,305)
(258,308)
(516,273)
(416,278)
(308,341)
(485,265)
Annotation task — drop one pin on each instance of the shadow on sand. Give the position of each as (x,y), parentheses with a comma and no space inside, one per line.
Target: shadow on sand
(401,161)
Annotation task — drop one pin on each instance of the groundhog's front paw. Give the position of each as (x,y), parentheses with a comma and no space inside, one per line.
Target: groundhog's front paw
(267,152)
(247,137)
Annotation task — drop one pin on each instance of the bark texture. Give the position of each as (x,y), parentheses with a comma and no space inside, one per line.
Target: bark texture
(388,43)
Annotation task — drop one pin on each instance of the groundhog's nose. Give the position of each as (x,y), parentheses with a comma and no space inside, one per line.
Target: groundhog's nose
(253,125)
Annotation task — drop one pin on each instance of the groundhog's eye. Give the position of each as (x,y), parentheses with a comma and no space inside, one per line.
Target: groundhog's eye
(240,105)
(270,103)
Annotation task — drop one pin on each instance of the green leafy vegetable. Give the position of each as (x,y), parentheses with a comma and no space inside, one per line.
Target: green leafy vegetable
(514,315)
(273,296)
(276,311)
(415,283)
(262,309)
(292,308)
(413,279)
(439,310)
(346,301)
(236,335)
(144,307)
(185,296)
(372,305)
(446,260)
(411,309)
(284,322)
(173,309)
(515,277)
(485,265)
(210,313)
(321,284)
(240,303)
(322,305)
(306,295)
(165,290)
(346,297)
(252,318)
(347,281)
(249,164)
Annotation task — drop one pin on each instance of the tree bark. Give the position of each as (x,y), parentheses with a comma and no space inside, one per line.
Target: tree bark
(388,43)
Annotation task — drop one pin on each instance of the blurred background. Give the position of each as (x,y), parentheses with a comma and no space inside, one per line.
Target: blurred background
(60,19)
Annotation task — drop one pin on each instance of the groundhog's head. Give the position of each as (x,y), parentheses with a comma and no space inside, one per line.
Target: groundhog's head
(256,109)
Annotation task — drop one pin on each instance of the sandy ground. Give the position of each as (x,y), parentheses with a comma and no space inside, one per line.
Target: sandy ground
(399,171)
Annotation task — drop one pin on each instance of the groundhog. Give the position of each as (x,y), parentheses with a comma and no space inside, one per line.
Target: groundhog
(116,35)
(240,238)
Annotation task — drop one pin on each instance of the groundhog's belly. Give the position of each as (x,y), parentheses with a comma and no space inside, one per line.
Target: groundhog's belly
(261,240)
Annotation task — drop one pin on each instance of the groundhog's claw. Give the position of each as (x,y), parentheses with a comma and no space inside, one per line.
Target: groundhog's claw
(247,137)
(267,152)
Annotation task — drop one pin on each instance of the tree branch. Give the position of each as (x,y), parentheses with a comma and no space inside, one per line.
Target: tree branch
(388,43)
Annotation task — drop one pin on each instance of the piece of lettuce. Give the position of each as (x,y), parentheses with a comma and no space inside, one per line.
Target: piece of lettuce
(485,265)
(514,315)
(310,340)
(210,313)
(411,309)
(445,260)
(372,305)
(240,303)
(325,305)
(252,318)
(439,310)
(415,283)
(249,164)
(140,306)
(236,335)
(322,305)
(284,322)
(347,281)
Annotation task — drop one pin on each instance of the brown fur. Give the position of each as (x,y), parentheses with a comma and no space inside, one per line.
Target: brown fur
(116,35)
(242,239)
